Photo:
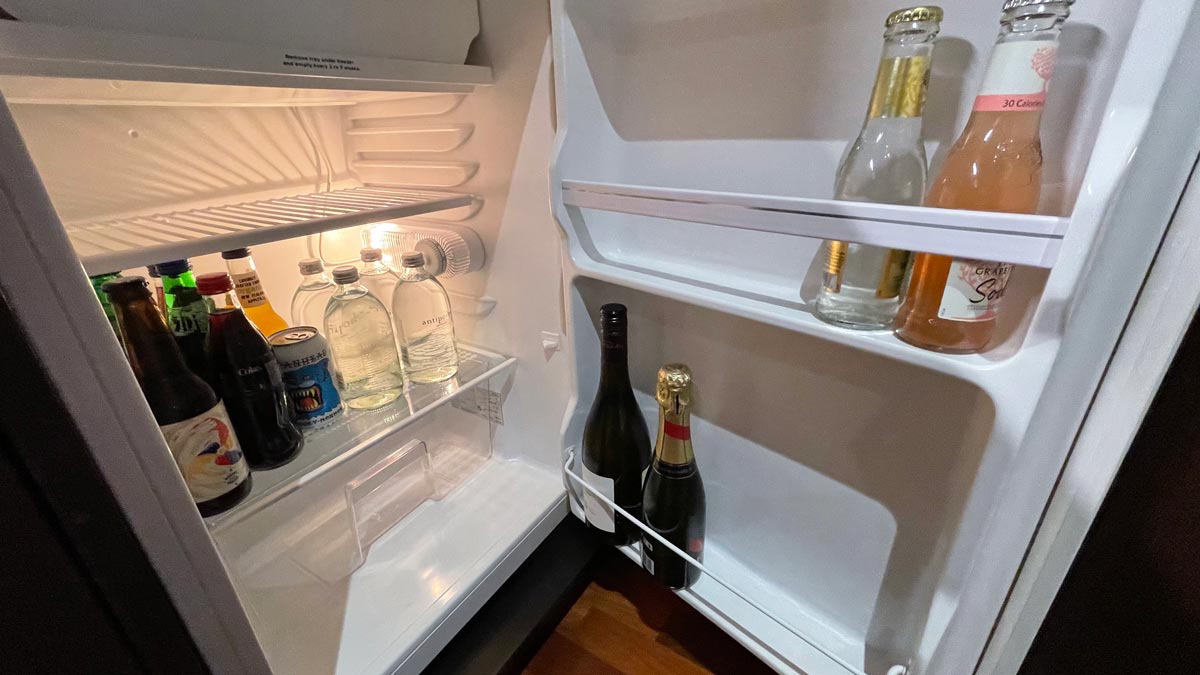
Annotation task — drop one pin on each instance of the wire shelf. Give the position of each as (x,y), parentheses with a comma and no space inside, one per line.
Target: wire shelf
(126,243)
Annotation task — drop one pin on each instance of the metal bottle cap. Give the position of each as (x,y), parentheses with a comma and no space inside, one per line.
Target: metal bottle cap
(370,254)
(346,274)
(1013,4)
(674,388)
(910,14)
(311,266)
(413,259)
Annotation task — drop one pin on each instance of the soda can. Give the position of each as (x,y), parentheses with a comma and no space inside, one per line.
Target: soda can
(303,356)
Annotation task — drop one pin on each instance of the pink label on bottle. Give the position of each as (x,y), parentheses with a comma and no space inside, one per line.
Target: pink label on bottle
(1009,102)
(1017,76)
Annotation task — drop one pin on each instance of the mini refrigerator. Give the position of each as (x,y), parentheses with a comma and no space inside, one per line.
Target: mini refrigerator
(873,508)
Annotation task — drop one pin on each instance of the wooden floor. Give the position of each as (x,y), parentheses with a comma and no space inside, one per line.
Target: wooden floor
(625,623)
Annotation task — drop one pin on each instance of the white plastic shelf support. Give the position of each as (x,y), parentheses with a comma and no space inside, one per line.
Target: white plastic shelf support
(1017,238)
(144,240)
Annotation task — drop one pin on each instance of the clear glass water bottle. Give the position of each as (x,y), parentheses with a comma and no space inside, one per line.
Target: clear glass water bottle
(886,164)
(421,309)
(363,345)
(377,276)
(312,295)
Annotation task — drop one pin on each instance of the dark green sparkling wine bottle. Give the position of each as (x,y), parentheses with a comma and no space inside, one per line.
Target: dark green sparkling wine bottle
(673,500)
(616,442)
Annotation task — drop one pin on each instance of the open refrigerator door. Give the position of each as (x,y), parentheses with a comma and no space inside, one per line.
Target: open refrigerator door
(869,502)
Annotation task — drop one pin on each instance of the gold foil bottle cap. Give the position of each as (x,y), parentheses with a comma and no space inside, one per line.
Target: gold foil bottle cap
(674,388)
(910,14)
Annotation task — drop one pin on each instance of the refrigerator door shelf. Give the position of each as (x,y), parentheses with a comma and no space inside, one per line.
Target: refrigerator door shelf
(1020,239)
(760,616)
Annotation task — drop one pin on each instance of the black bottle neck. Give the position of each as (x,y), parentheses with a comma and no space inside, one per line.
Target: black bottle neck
(614,356)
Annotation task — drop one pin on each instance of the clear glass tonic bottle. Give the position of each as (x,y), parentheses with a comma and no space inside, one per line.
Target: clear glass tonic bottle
(421,310)
(377,276)
(363,345)
(312,295)
(886,164)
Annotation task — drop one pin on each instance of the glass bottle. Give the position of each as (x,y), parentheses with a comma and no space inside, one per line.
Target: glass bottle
(886,164)
(673,499)
(377,276)
(186,312)
(98,282)
(421,310)
(243,369)
(156,284)
(363,345)
(616,441)
(995,165)
(312,295)
(193,420)
(250,293)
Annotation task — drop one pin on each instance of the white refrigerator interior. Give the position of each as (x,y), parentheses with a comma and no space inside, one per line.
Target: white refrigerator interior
(869,503)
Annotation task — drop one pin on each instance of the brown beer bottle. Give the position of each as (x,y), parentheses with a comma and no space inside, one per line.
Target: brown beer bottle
(192,419)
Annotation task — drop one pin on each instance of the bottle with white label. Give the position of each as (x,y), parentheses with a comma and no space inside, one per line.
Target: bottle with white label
(616,442)
(996,165)
(251,296)
(421,312)
(194,422)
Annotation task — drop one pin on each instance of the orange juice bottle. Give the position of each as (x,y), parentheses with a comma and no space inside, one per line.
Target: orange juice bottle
(995,165)
(251,295)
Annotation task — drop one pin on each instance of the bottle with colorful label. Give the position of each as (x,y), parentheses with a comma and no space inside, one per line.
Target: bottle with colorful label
(995,165)
(194,422)
(885,164)
(251,296)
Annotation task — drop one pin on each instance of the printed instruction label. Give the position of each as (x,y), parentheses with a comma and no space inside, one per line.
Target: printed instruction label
(207,453)
(599,515)
(1017,76)
(314,62)
(249,289)
(974,289)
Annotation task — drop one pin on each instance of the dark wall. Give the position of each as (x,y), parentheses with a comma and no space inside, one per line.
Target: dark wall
(1131,602)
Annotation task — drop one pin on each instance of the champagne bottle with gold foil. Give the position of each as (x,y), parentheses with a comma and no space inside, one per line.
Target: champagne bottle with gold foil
(886,164)
(673,497)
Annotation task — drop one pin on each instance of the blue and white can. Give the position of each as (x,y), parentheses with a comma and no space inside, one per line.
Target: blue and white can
(303,357)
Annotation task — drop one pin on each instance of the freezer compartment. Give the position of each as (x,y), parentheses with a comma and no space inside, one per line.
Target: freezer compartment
(839,484)
(352,567)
